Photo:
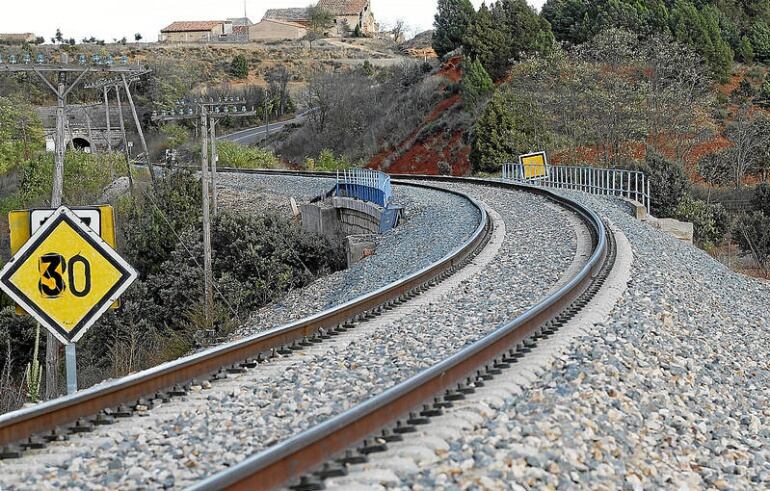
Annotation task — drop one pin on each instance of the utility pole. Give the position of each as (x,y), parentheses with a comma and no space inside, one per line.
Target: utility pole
(214,159)
(109,124)
(125,140)
(267,122)
(139,129)
(208,113)
(208,276)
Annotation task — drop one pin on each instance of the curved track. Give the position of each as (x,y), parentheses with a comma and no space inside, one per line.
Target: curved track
(304,452)
(21,425)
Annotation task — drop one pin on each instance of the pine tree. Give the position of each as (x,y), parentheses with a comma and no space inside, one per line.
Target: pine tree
(452,20)
(760,40)
(484,41)
(506,129)
(524,32)
(476,84)
(745,51)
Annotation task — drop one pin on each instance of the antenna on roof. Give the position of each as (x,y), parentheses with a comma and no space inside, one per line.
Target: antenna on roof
(244,10)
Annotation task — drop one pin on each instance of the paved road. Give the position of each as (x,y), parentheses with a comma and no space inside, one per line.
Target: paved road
(251,136)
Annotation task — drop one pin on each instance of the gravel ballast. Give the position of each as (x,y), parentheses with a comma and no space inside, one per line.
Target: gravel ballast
(204,432)
(671,392)
(436,224)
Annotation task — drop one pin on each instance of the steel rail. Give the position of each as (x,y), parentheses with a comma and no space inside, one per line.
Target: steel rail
(22,424)
(277,465)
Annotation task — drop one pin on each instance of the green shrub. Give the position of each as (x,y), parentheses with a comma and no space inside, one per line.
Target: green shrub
(150,223)
(668,183)
(239,67)
(174,135)
(232,154)
(710,221)
(328,162)
(761,199)
(752,232)
(85,178)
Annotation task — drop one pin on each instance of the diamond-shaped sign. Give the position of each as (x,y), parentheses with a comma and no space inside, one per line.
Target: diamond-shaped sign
(66,276)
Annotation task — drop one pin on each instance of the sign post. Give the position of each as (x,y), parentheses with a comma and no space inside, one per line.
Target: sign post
(65,276)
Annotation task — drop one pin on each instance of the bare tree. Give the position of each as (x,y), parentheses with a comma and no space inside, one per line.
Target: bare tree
(749,132)
(399,30)
(320,22)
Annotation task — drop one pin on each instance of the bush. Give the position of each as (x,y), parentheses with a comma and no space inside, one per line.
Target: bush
(710,221)
(239,67)
(761,199)
(150,223)
(752,232)
(242,157)
(85,178)
(668,183)
(327,161)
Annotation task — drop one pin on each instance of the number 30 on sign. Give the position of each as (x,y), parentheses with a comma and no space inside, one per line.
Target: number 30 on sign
(66,276)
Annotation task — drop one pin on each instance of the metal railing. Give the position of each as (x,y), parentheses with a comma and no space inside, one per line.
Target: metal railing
(364,184)
(604,182)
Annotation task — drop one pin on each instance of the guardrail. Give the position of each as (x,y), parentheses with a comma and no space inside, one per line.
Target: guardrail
(604,182)
(364,184)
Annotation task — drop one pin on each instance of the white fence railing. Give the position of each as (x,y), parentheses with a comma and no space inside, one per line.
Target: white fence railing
(365,184)
(605,182)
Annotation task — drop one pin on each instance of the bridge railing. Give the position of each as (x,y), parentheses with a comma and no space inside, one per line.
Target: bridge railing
(364,184)
(604,182)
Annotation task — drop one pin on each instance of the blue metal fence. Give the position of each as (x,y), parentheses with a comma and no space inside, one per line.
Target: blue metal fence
(364,184)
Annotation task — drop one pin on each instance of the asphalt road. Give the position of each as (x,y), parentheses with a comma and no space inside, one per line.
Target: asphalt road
(251,136)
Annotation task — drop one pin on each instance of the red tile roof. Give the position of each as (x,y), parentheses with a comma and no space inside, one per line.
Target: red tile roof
(193,26)
(343,7)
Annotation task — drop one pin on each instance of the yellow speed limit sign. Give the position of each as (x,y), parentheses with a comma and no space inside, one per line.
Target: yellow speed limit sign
(534,165)
(66,276)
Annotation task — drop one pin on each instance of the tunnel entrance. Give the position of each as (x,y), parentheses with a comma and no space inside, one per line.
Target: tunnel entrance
(81,144)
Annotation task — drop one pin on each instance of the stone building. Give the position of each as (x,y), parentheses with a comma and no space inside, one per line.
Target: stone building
(21,38)
(350,13)
(276,30)
(295,15)
(196,31)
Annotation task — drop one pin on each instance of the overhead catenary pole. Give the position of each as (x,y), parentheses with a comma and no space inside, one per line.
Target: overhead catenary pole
(107,114)
(208,277)
(267,122)
(138,128)
(125,140)
(214,159)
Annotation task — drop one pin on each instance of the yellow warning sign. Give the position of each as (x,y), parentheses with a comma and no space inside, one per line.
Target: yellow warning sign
(534,165)
(66,276)
(24,223)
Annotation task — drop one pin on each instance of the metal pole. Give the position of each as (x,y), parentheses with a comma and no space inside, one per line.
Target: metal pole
(214,159)
(267,122)
(139,129)
(72,368)
(107,113)
(207,268)
(125,140)
(88,127)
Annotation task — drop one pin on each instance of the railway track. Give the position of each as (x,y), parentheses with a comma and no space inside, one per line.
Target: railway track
(286,460)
